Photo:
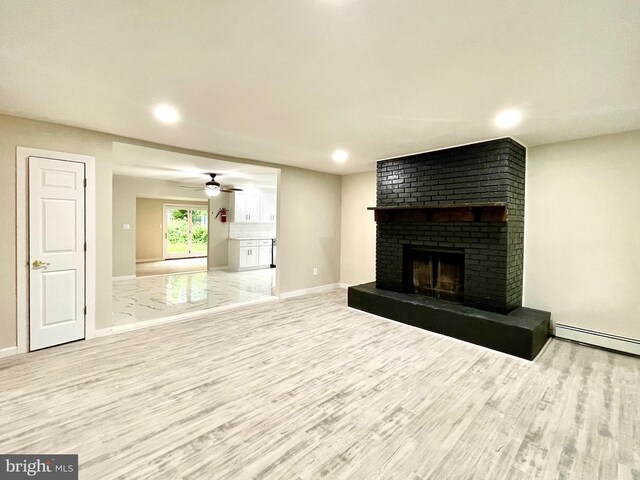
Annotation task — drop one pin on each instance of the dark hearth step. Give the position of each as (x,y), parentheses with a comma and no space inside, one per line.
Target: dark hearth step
(522,332)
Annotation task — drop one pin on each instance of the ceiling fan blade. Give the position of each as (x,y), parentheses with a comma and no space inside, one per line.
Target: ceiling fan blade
(229,190)
(192,187)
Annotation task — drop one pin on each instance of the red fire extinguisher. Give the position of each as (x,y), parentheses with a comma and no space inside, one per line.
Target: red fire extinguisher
(222,213)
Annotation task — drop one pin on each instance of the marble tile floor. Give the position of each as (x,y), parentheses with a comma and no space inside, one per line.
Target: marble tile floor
(166,267)
(150,298)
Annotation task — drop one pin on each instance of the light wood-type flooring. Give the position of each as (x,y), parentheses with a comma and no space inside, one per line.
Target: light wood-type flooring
(307,388)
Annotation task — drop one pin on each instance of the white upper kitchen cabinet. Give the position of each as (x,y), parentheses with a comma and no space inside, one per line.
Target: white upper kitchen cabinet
(245,207)
(253,207)
(268,207)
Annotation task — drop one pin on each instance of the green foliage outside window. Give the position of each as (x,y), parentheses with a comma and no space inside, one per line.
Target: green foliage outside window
(179,214)
(177,231)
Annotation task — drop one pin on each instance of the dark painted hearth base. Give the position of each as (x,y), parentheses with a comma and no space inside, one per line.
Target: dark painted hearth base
(522,332)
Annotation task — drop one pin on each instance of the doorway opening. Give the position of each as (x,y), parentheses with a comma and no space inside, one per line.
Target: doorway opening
(184,243)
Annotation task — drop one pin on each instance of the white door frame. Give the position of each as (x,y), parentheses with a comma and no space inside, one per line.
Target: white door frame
(22,244)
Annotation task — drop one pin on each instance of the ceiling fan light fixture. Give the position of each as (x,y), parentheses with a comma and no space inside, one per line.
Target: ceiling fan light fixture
(212,190)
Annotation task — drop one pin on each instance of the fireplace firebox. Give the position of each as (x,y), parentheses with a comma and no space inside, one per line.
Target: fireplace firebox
(435,273)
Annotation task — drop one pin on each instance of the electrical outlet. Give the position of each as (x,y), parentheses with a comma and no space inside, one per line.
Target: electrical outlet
(315,271)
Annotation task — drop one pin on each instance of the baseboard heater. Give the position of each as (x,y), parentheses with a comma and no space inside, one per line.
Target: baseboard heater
(599,339)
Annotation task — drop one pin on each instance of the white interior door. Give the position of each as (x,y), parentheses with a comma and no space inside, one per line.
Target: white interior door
(56,252)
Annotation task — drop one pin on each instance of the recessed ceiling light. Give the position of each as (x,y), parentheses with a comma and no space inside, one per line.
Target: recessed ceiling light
(508,118)
(340,156)
(166,114)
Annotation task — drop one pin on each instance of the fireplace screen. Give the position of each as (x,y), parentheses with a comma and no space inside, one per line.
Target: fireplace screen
(438,274)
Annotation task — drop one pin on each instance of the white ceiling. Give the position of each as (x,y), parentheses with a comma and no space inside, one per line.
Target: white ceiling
(289,81)
(137,161)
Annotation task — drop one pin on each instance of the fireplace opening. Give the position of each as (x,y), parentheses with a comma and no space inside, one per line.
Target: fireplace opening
(436,273)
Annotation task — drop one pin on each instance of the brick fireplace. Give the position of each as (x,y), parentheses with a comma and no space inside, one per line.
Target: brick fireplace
(469,183)
(450,237)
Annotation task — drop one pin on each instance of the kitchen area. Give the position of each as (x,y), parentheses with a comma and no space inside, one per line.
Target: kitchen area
(190,234)
(252,230)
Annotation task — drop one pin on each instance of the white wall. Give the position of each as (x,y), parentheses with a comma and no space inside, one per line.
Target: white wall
(218,254)
(358,229)
(308,225)
(582,232)
(149,237)
(149,226)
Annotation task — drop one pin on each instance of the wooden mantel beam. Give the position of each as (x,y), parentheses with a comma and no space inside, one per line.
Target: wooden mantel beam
(477,212)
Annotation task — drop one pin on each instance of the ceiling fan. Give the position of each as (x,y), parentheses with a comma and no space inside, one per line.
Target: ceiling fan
(212,188)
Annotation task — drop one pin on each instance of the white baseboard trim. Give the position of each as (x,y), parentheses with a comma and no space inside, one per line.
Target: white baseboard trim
(8,351)
(148,260)
(598,339)
(102,332)
(124,277)
(306,291)
(219,268)
(251,269)
(179,318)
(344,285)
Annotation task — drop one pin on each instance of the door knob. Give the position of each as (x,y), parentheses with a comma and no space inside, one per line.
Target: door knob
(40,264)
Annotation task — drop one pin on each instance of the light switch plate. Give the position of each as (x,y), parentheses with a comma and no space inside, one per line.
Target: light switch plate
(126,226)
